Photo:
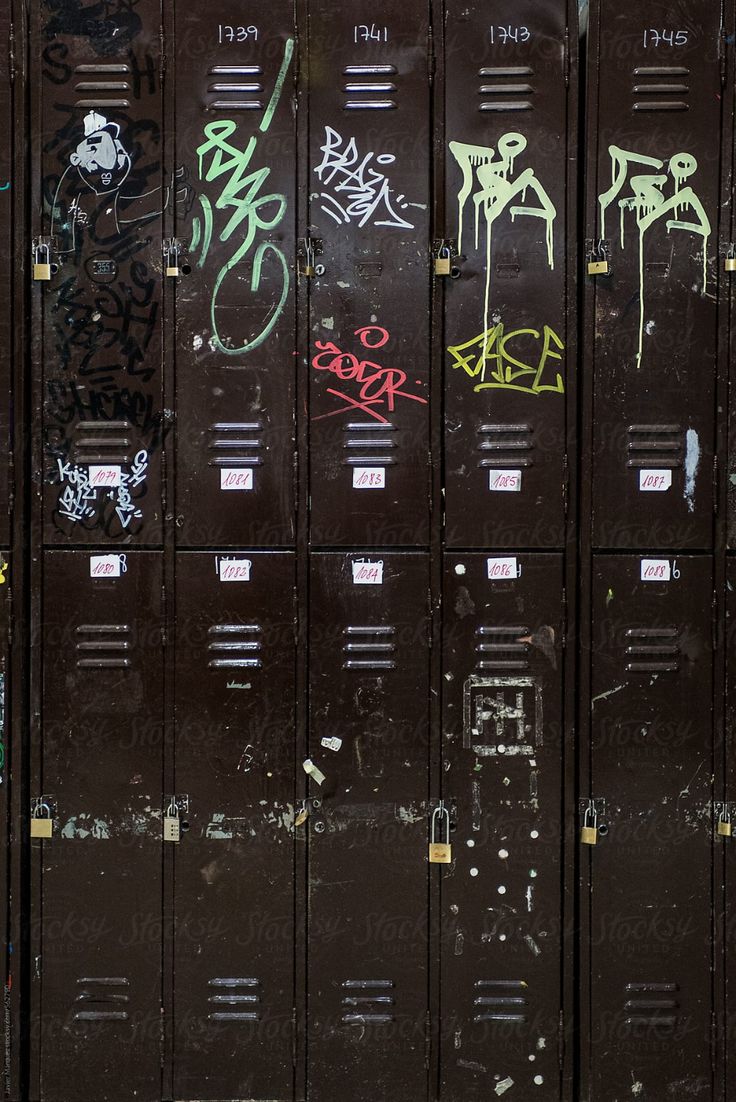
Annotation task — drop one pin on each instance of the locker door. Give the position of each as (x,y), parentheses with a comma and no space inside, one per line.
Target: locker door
(235,128)
(728,795)
(367,826)
(98,148)
(502,768)
(369,299)
(654,165)
(97,979)
(506,179)
(652,765)
(7,268)
(234,911)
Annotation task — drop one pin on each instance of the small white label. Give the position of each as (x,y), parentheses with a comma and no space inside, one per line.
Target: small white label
(655,481)
(107,566)
(369,478)
(234,570)
(236,478)
(656,570)
(104,475)
(502,568)
(312,771)
(367,573)
(333,743)
(504,481)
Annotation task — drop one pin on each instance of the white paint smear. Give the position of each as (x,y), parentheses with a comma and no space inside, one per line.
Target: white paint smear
(692,458)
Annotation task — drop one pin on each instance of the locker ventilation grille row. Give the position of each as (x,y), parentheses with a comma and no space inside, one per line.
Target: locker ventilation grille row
(369,648)
(652,650)
(500,1001)
(367,1001)
(505,445)
(366,444)
(507,82)
(652,1006)
(235,444)
(101,442)
(235,999)
(655,446)
(662,81)
(239,83)
(501,648)
(103,646)
(103,80)
(102,991)
(373,84)
(234,646)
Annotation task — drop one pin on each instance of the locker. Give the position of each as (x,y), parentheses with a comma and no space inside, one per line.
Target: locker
(653,179)
(97,221)
(650,873)
(368,243)
(502,915)
(368,825)
(234,910)
(235,232)
(9,241)
(97,998)
(509,349)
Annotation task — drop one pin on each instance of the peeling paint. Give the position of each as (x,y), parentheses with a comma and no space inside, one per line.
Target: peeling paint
(505,1085)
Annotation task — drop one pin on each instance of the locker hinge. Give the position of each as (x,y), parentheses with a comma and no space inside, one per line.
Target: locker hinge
(293,1036)
(561,1041)
(567,57)
(714,621)
(564,618)
(162,54)
(565,483)
(715,485)
(722,56)
(427,1039)
(163,481)
(11,53)
(164,620)
(713,1039)
(431,59)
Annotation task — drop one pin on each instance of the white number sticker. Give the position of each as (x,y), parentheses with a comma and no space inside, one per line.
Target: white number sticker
(656,570)
(367,573)
(107,566)
(105,475)
(502,568)
(655,481)
(234,570)
(504,481)
(369,478)
(236,478)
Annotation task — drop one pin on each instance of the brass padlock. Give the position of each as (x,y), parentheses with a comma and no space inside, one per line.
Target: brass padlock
(301,816)
(308,269)
(172,823)
(443,262)
(729,264)
(42,825)
(589,830)
(598,267)
(172,262)
(440,852)
(725,826)
(42,268)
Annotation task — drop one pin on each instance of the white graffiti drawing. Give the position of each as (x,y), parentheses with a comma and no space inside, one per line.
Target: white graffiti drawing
(357,191)
(79,499)
(488,175)
(650,204)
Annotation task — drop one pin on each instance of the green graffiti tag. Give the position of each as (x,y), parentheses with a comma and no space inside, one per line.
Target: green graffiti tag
(488,359)
(251,211)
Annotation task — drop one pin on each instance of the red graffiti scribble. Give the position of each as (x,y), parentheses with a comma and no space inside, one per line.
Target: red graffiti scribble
(378,386)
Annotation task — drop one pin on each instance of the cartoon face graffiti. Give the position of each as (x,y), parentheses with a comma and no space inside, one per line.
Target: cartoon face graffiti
(100,158)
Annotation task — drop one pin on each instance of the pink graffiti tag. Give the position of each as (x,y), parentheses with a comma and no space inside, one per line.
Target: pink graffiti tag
(378,387)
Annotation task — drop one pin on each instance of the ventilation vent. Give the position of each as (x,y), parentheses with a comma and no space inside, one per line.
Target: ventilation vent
(238,83)
(500,1001)
(652,446)
(654,1004)
(104,80)
(661,81)
(235,444)
(505,445)
(102,991)
(373,84)
(103,646)
(367,1001)
(235,999)
(502,648)
(234,646)
(367,444)
(101,442)
(369,648)
(656,650)
(508,83)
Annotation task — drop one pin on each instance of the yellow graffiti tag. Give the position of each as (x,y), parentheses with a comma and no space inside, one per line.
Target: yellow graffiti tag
(488,359)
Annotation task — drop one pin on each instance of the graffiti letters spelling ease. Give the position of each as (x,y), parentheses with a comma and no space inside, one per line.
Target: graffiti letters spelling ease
(363,384)
(493,360)
(252,211)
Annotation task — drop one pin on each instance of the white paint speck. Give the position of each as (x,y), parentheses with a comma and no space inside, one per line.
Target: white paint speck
(534,834)
(505,1085)
(650,327)
(532,873)
(502,889)
(460,568)
(539,1079)
(197,342)
(470,842)
(328,323)
(503,854)
(692,458)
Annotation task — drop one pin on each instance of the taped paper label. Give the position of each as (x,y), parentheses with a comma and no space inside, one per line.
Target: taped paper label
(369,478)
(234,570)
(312,771)
(502,568)
(236,478)
(107,566)
(654,481)
(504,481)
(104,475)
(331,743)
(656,570)
(367,573)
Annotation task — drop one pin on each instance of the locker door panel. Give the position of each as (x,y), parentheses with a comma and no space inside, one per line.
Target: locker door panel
(7,246)
(235,864)
(652,765)
(502,768)
(235,355)
(369,302)
(506,311)
(100,984)
(369,690)
(100,145)
(656,173)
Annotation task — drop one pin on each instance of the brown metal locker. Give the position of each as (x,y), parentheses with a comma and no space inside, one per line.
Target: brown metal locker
(235,251)
(234,867)
(509,334)
(368,825)
(96,981)
(369,249)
